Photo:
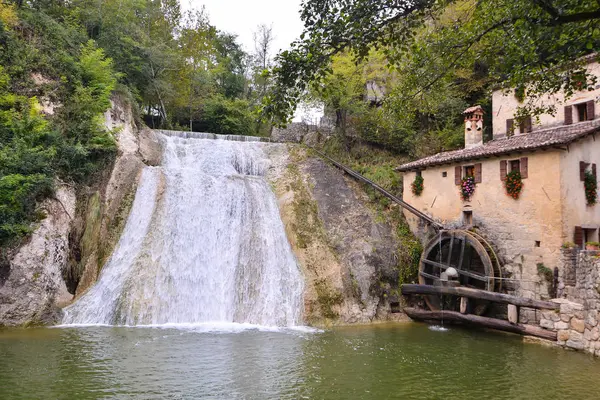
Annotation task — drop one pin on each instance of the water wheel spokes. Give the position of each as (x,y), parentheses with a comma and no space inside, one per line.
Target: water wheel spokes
(469,254)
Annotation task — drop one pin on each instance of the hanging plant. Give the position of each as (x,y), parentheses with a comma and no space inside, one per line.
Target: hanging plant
(417,185)
(591,188)
(513,184)
(467,188)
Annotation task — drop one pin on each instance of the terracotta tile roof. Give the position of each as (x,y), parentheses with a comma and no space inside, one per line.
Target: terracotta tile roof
(544,138)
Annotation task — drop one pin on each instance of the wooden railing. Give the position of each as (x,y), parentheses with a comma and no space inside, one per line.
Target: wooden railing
(514,304)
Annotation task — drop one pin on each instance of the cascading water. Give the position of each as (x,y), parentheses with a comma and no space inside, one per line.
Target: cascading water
(204,243)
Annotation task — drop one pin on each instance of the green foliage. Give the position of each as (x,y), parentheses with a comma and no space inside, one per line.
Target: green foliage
(224,116)
(513,184)
(437,47)
(417,185)
(60,65)
(591,188)
(18,197)
(545,272)
(328,299)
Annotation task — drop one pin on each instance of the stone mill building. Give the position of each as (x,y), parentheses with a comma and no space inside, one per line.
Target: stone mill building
(553,154)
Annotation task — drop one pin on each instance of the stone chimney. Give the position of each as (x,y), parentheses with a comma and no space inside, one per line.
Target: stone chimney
(473,127)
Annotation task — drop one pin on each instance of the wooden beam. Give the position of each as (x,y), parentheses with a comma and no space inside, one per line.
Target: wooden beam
(479,294)
(484,322)
(450,250)
(460,271)
(513,314)
(464,305)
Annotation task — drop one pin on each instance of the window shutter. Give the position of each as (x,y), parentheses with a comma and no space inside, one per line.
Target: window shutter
(478,173)
(503,164)
(590,110)
(510,126)
(457,175)
(594,171)
(528,124)
(582,166)
(568,115)
(578,236)
(524,168)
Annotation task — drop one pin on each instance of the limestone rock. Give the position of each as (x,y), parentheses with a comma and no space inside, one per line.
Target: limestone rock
(563,335)
(575,341)
(150,147)
(578,325)
(561,325)
(546,323)
(34,289)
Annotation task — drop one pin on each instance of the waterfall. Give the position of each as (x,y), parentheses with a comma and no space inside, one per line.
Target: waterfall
(204,243)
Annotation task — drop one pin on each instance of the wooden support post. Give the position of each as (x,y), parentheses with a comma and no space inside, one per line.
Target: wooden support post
(464,305)
(513,314)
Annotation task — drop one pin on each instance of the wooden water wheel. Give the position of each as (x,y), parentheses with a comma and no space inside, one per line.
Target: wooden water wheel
(473,258)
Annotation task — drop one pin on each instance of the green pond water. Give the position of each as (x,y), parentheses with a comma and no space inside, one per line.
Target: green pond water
(400,361)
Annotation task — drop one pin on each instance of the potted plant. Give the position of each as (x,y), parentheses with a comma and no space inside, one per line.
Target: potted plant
(417,185)
(467,188)
(591,188)
(513,184)
(592,246)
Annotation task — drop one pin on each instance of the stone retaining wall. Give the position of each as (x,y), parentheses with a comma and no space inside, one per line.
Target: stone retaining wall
(298,132)
(576,323)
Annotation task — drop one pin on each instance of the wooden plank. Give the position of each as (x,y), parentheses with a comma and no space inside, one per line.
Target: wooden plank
(464,305)
(429,276)
(513,314)
(479,294)
(450,249)
(460,271)
(484,322)
(462,253)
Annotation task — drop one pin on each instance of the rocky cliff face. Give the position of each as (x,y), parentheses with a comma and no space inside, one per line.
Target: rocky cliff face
(64,254)
(348,257)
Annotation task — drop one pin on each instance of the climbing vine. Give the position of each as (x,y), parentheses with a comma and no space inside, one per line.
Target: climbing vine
(417,185)
(467,188)
(591,188)
(513,184)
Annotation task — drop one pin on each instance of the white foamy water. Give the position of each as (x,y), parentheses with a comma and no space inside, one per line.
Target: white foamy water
(203,244)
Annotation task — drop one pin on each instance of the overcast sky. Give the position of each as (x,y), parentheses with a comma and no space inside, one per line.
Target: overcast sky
(243,16)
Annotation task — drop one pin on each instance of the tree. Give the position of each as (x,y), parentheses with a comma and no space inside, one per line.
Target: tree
(522,43)
(262,59)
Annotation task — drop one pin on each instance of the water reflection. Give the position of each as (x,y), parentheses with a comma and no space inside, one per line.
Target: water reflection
(392,362)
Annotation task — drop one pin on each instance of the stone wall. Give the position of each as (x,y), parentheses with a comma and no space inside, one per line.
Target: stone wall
(577,320)
(298,132)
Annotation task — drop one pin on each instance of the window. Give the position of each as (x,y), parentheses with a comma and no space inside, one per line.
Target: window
(520,164)
(515,165)
(444,174)
(582,114)
(470,171)
(510,127)
(525,125)
(467,217)
(538,243)
(419,173)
